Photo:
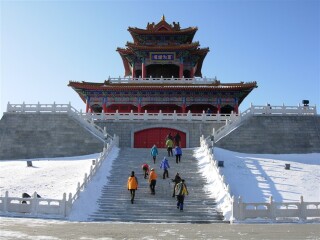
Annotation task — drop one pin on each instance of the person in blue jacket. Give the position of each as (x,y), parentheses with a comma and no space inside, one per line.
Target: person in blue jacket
(178,153)
(165,165)
(154,153)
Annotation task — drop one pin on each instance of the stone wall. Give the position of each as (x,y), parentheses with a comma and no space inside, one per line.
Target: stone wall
(44,135)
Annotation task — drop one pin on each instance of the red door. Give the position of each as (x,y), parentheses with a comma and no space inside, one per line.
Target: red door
(148,137)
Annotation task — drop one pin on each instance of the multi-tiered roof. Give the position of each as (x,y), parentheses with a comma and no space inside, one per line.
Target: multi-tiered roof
(167,38)
(163,72)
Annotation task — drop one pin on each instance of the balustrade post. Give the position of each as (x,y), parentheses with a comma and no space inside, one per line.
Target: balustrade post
(8,107)
(203,116)
(272,209)
(189,116)
(145,115)
(174,115)
(6,201)
(69,205)
(131,115)
(85,180)
(34,204)
(23,106)
(38,107)
(160,115)
(117,115)
(241,209)
(54,107)
(234,209)
(302,210)
(63,204)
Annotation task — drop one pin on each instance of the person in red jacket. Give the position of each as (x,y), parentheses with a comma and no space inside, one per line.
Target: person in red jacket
(132,185)
(145,168)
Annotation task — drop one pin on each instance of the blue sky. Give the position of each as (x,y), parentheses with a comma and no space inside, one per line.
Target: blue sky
(44,44)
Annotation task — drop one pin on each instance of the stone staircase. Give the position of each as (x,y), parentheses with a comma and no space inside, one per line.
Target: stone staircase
(114,202)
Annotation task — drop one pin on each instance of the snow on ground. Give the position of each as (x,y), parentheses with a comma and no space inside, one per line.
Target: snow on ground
(49,177)
(255,177)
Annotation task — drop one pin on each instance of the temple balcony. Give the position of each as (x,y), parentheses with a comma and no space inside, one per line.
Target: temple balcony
(172,80)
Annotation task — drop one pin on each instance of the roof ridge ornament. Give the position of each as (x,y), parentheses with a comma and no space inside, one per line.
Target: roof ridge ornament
(163,18)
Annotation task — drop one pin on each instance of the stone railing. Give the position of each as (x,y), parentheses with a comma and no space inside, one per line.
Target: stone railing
(34,206)
(172,80)
(267,110)
(52,208)
(224,200)
(235,210)
(275,211)
(61,108)
(94,168)
(197,117)
(87,119)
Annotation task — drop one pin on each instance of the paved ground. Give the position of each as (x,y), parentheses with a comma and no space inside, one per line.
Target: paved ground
(36,229)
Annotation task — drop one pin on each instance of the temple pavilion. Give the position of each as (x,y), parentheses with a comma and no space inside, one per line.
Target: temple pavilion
(162,72)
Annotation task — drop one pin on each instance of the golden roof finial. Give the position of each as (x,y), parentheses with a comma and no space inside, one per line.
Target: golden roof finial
(163,18)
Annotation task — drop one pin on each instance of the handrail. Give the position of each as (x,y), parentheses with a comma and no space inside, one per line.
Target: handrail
(61,108)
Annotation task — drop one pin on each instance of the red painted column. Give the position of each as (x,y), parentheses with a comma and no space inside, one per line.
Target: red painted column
(104,105)
(236,106)
(87,104)
(181,68)
(133,71)
(219,105)
(139,104)
(192,72)
(143,69)
(184,107)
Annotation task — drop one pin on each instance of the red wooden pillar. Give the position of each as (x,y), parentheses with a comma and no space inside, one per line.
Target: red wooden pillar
(219,105)
(236,106)
(184,106)
(87,104)
(133,71)
(143,69)
(192,72)
(104,105)
(139,104)
(181,68)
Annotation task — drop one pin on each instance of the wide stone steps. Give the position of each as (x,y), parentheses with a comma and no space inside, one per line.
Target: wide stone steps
(114,203)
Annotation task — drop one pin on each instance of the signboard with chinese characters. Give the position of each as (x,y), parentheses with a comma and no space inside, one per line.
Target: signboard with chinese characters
(162,57)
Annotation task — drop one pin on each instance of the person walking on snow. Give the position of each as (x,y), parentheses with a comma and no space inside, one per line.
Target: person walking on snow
(153,180)
(154,153)
(181,191)
(165,165)
(178,153)
(132,185)
(145,168)
(169,145)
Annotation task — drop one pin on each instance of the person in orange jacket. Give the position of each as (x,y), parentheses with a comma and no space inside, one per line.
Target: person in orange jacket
(153,180)
(132,185)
